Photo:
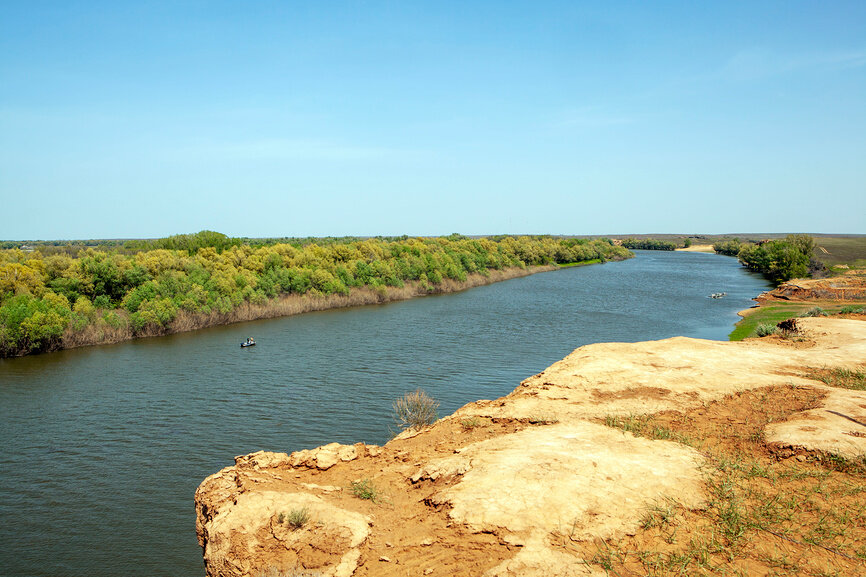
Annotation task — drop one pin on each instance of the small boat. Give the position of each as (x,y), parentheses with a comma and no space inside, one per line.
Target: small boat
(250,342)
(717,295)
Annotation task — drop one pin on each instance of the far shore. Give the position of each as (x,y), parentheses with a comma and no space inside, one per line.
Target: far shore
(294,304)
(697,248)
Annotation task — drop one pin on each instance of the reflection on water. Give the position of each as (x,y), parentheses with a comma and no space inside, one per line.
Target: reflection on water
(104,447)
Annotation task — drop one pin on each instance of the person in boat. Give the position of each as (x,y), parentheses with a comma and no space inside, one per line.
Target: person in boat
(250,341)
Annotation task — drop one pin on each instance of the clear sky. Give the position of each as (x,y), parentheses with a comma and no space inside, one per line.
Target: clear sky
(142,119)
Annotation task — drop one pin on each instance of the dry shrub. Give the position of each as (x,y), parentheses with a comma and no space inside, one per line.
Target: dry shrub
(415,410)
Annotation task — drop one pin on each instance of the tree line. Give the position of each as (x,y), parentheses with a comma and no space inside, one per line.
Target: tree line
(49,297)
(778,260)
(649,244)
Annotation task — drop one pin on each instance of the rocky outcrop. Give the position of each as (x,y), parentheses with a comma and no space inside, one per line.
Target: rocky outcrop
(497,488)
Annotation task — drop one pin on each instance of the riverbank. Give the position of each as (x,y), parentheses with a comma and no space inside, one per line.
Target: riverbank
(96,296)
(697,248)
(841,295)
(288,305)
(643,457)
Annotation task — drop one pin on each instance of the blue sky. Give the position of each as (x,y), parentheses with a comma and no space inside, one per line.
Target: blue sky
(144,119)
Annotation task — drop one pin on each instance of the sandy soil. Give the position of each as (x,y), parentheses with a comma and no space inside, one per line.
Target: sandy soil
(632,458)
(697,248)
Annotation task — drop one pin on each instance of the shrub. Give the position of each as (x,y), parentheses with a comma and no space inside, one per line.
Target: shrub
(469,424)
(102,302)
(297,518)
(365,489)
(415,410)
(83,307)
(765,330)
(814,312)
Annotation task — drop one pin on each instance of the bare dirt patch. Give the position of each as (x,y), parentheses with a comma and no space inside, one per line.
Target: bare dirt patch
(771,511)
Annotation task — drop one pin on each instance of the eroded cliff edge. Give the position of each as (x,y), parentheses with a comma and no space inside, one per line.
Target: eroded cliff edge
(519,485)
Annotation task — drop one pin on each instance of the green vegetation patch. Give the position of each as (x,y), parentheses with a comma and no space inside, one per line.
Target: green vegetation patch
(772,314)
(57,296)
(582,263)
(365,489)
(797,255)
(644,426)
(779,260)
(649,244)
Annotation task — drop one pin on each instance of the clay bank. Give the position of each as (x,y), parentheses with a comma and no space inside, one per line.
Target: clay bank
(615,450)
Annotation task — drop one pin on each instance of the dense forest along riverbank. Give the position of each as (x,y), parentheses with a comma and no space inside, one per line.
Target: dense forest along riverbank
(105,446)
(66,297)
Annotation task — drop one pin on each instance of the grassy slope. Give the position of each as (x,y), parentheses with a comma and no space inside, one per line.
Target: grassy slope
(775,312)
(850,250)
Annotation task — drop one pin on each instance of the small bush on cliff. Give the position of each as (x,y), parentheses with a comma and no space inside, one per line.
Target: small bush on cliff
(297,518)
(365,489)
(765,330)
(469,424)
(415,410)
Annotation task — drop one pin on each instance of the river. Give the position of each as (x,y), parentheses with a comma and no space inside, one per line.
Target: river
(103,447)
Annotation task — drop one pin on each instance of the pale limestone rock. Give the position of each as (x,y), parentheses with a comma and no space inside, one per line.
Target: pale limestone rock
(322,488)
(587,478)
(262,460)
(537,559)
(323,457)
(241,527)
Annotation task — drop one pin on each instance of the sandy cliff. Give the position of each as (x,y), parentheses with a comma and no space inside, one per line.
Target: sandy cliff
(518,485)
(849,287)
